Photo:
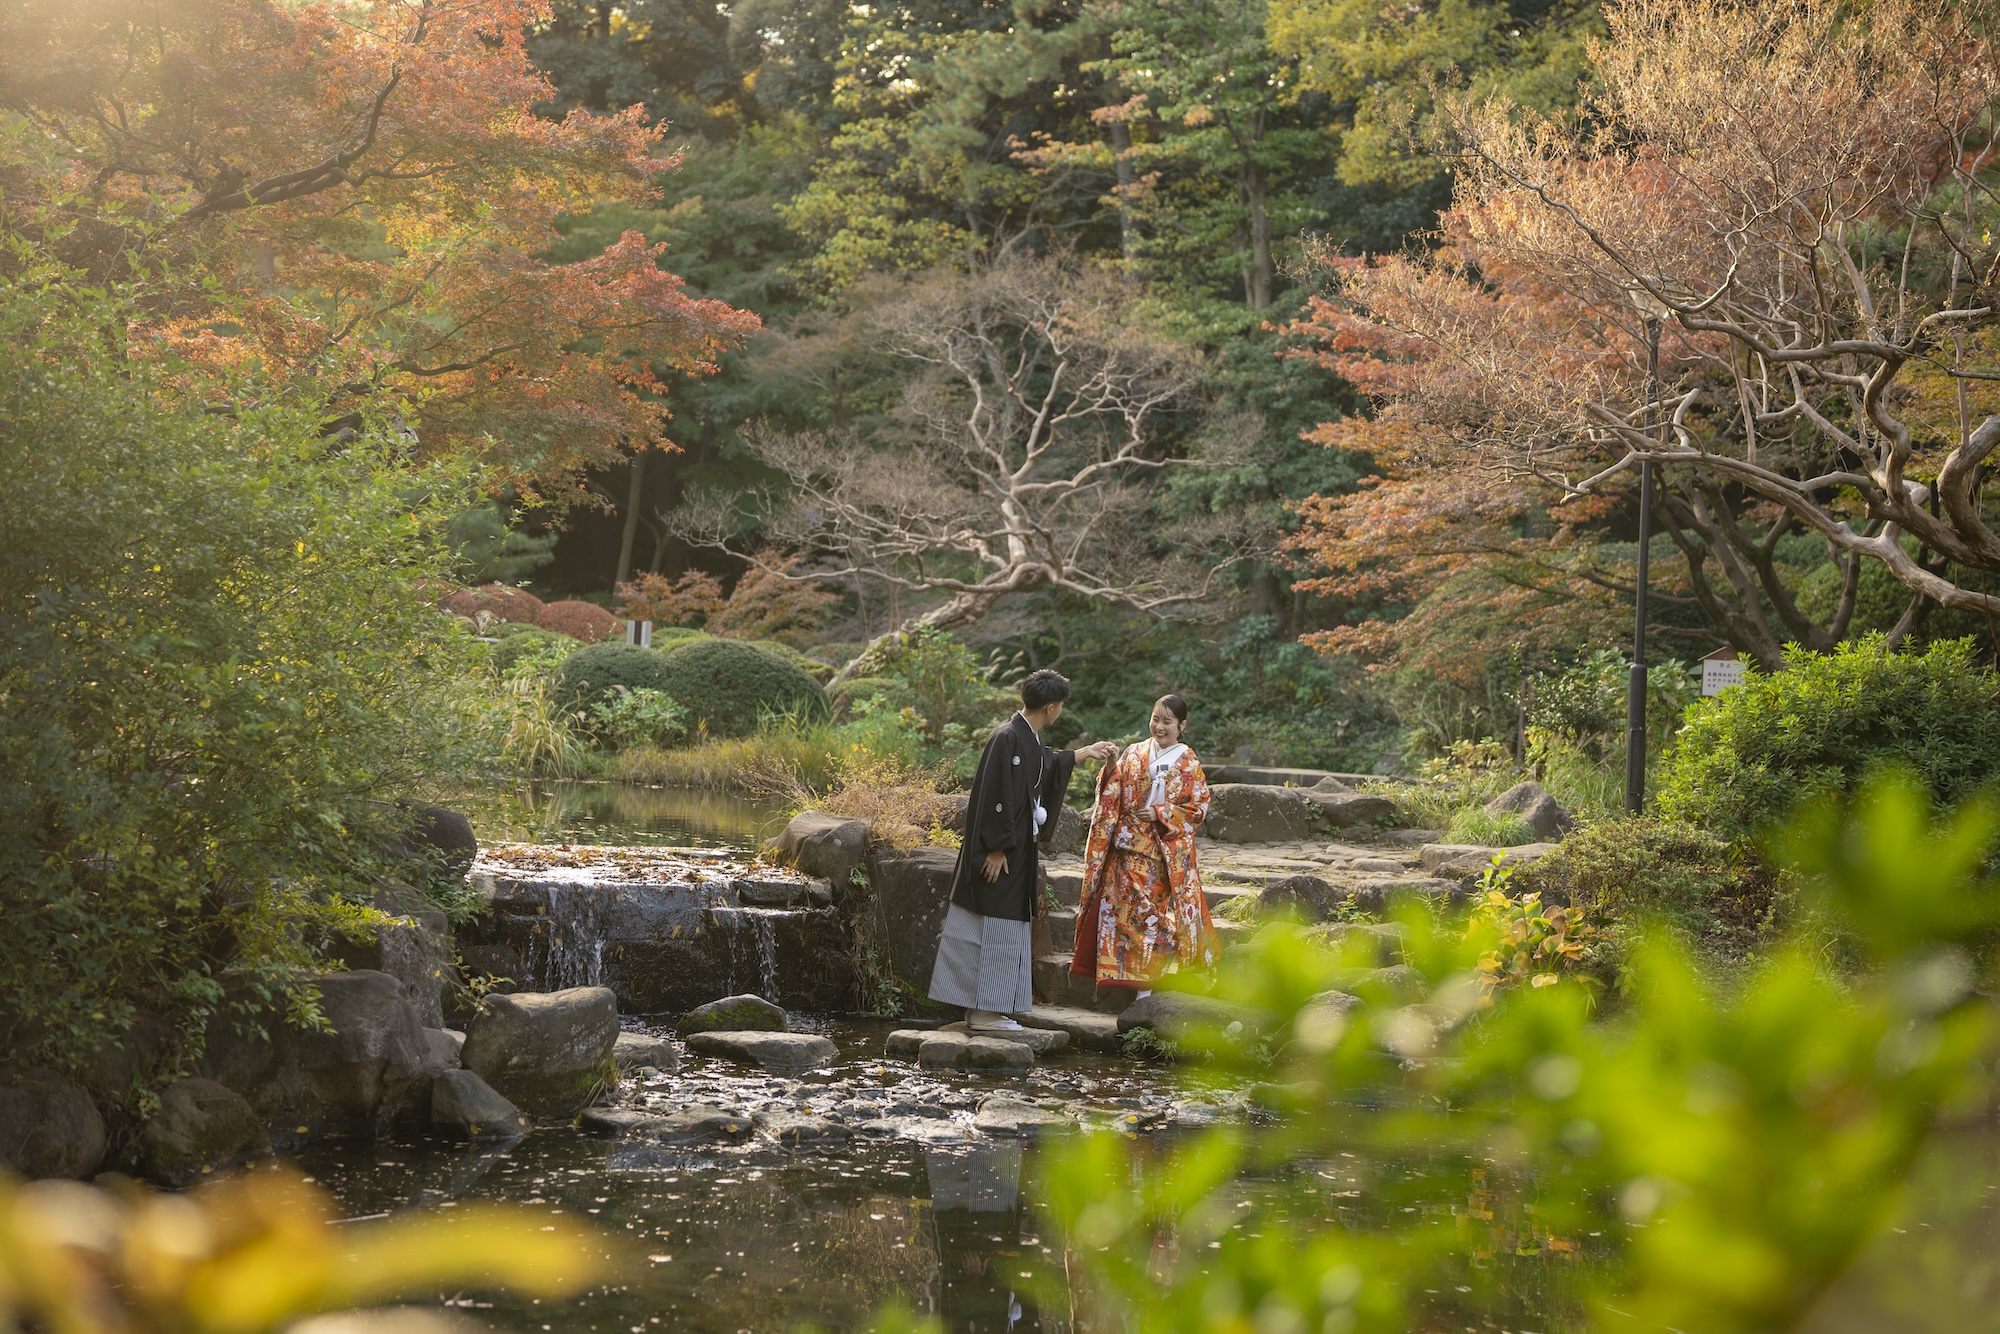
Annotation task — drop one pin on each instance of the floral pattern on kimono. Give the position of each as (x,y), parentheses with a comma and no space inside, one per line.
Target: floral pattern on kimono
(1143,914)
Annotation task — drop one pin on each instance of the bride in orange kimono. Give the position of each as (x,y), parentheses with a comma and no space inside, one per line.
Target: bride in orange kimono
(1143,913)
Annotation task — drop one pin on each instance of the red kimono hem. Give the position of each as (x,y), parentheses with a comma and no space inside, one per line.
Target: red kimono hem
(1083,959)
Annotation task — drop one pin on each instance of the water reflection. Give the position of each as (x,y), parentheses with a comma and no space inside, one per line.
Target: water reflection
(993,1258)
(573,811)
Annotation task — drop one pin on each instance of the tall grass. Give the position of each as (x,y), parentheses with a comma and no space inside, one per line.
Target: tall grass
(758,765)
(542,736)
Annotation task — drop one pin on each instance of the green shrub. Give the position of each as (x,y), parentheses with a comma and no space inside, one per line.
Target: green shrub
(1747,756)
(1472,824)
(728,686)
(595,672)
(526,642)
(216,659)
(860,696)
(1663,870)
(639,717)
(667,638)
(821,672)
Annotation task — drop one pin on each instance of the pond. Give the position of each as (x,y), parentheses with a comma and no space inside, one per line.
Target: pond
(726,1238)
(630,814)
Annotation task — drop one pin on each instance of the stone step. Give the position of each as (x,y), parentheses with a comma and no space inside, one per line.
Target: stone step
(1054,985)
(1067,883)
(1062,929)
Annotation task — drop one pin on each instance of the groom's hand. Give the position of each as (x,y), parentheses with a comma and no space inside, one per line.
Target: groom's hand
(994,867)
(1099,750)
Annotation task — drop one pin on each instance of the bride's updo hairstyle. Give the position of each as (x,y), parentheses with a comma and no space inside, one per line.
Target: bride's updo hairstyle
(1177,706)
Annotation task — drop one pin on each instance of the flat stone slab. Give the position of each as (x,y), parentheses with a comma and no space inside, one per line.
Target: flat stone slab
(780,1053)
(1089,1030)
(1041,1041)
(632,1050)
(1010,1117)
(1176,1013)
(694,1124)
(959,1051)
(801,1130)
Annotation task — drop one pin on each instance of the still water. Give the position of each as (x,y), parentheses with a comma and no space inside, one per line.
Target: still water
(723,1238)
(573,811)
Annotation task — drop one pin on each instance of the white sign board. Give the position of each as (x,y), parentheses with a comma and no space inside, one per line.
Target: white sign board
(1718,674)
(640,633)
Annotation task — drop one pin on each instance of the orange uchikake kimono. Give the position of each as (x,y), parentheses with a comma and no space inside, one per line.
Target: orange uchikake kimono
(1143,913)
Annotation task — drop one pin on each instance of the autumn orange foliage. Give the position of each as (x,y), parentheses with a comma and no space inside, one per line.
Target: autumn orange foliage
(350,200)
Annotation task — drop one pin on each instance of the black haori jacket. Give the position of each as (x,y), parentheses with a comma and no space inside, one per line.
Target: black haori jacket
(1015,769)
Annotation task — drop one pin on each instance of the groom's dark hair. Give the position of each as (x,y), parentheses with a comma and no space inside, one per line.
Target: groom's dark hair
(1043,688)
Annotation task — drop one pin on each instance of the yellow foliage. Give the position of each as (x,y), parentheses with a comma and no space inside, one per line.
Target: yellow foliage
(255,1252)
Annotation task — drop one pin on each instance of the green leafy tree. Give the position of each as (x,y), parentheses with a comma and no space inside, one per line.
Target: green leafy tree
(215,661)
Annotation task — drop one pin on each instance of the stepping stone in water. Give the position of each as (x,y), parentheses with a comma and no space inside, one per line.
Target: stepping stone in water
(1041,1041)
(612,1120)
(632,1050)
(693,1123)
(734,1014)
(959,1051)
(1005,1115)
(800,1130)
(780,1053)
(1089,1030)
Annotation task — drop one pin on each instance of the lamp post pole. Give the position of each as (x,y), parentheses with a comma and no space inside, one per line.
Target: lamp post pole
(1635,690)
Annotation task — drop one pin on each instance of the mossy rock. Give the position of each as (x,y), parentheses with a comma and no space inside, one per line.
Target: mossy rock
(596,671)
(734,1014)
(728,685)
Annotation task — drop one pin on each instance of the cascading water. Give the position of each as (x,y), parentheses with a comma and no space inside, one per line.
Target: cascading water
(759,926)
(568,949)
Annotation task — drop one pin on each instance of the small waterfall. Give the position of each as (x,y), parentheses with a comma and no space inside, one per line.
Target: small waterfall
(763,940)
(568,950)
(767,955)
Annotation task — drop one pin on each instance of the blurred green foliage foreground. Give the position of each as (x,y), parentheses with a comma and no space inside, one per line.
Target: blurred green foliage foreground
(1452,1153)
(258,1252)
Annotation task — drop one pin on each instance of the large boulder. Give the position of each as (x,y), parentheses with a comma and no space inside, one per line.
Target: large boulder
(436,843)
(1072,828)
(201,1128)
(368,1068)
(548,1052)
(1346,808)
(1181,1015)
(780,1053)
(833,847)
(912,893)
(1532,802)
(1252,813)
(1459,861)
(114,1068)
(734,1014)
(48,1126)
(1306,897)
(464,1104)
(414,947)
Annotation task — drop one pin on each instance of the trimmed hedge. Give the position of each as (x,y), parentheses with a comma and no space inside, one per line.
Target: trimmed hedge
(727,685)
(595,671)
(1747,756)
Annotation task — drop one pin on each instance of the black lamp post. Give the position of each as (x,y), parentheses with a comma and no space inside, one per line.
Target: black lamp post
(1655,311)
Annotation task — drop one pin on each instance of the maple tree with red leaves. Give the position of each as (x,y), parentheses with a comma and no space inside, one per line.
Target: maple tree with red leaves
(1804,201)
(351,201)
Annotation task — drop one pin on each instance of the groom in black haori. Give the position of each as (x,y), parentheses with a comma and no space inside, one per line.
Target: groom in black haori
(985,959)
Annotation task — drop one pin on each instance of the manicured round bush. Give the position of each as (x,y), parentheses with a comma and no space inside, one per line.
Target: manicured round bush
(580,620)
(496,600)
(727,684)
(595,672)
(667,638)
(821,672)
(1747,756)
